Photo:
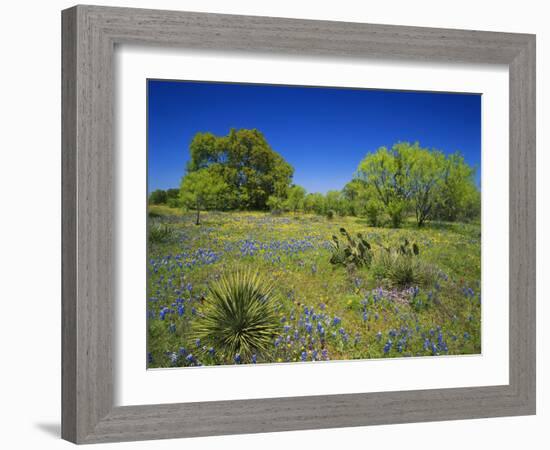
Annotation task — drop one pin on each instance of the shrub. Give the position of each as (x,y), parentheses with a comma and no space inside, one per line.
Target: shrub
(373,209)
(330,214)
(160,233)
(353,253)
(238,317)
(173,202)
(275,205)
(401,267)
(396,211)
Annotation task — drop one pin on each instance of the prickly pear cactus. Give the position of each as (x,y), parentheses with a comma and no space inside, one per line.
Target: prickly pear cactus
(353,252)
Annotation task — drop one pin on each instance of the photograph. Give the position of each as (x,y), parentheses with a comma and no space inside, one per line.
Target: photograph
(307,224)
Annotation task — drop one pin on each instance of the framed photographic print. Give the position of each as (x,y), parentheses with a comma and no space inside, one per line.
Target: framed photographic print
(268,222)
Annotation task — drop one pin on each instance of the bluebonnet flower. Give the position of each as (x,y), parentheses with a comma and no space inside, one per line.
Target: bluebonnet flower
(336,321)
(190,358)
(466,335)
(181,309)
(365,316)
(174,357)
(150,358)
(237,358)
(254,358)
(427,343)
(303,356)
(379,336)
(211,351)
(322,306)
(400,345)
(198,342)
(172,328)
(324,354)
(392,333)
(309,328)
(314,355)
(182,351)
(388,346)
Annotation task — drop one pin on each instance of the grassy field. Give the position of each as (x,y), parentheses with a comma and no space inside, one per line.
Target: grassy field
(326,312)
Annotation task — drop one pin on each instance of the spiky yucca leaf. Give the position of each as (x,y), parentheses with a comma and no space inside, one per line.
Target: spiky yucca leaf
(238,316)
(160,233)
(403,270)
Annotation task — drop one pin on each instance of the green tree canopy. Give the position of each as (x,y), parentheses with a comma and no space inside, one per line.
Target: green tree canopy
(459,198)
(420,178)
(158,197)
(203,189)
(315,202)
(295,198)
(357,195)
(409,177)
(247,163)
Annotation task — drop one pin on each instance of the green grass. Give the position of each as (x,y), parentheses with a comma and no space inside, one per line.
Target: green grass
(324,311)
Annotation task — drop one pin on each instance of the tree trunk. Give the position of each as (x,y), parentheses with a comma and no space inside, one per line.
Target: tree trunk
(198,222)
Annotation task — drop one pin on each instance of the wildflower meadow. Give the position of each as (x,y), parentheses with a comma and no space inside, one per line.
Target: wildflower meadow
(292,224)
(323,312)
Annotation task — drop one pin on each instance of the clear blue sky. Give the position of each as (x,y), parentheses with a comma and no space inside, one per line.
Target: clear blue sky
(322,132)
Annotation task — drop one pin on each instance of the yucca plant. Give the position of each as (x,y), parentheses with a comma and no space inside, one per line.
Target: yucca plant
(401,267)
(238,316)
(160,233)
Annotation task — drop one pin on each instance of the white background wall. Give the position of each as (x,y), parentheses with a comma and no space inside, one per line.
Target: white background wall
(30,235)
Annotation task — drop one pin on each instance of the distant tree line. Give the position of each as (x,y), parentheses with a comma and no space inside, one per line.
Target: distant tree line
(168,197)
(240,171)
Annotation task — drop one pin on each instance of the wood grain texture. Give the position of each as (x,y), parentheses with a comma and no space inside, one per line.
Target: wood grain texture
(89,36)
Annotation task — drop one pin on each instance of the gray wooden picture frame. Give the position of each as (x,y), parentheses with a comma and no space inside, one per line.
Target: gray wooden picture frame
(90,34)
